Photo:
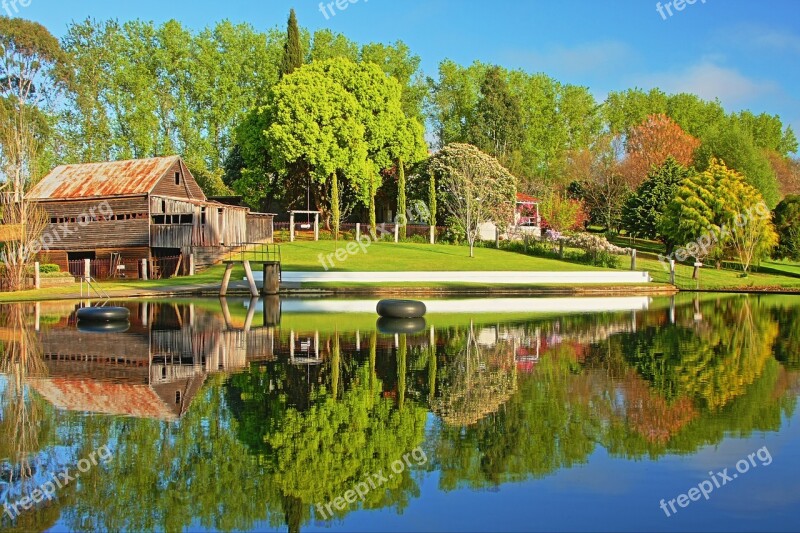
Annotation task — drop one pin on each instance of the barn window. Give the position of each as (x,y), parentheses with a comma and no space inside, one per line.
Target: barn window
(177,178)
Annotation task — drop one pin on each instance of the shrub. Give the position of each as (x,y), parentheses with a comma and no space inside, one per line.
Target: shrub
(49,268)
(597,251)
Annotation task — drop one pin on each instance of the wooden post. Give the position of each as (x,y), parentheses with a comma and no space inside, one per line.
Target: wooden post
(272,279)
(272,311)
(251,313)
(37,278)
(358,231)
(396,232)
(696,273)
(191,264)
(672,310)
(633,258)
(316,226)
(248,272)
(561,248)
(497,237)
(433,234)
(226,279)
(672,271)
(291,227)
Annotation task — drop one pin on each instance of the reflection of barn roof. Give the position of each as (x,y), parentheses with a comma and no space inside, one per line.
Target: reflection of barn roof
(138,401)
(115,178)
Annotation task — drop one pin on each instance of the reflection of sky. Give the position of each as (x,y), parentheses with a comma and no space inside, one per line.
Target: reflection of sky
(612,494)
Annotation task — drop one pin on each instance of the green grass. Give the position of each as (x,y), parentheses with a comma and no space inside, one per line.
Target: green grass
(386,256)
(713,279)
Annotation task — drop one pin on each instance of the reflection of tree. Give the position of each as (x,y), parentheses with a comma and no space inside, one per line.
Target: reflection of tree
(24,427)
(712,363)
(539,430)
(477,381)
(21,359)
(166,477)
(347,432)
(787,346)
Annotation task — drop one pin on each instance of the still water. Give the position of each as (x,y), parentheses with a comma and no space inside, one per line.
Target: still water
(566,414)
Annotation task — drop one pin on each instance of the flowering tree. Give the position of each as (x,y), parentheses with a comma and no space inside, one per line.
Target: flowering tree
(474,188)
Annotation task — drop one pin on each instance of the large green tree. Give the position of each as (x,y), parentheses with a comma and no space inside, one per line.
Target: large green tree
(642,213)
(717,214)
(315,123)
(787,223)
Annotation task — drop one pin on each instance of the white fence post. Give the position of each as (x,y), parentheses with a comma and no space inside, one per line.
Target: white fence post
(433,234)
(37,278)
(396,232)
(87,268)
(144,269)
(291,227)
(358,231)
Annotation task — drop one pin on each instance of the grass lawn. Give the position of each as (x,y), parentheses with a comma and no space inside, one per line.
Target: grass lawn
(388,256)
(713,279)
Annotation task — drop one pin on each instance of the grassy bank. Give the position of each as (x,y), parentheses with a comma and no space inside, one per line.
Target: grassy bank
(386,256)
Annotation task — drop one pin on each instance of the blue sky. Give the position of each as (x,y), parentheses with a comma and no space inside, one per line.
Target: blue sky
(745,52)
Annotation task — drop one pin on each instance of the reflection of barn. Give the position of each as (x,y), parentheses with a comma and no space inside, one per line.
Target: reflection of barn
(154,370)
(119,213)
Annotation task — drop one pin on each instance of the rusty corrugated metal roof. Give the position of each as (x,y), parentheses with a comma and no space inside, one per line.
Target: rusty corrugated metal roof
(116,178)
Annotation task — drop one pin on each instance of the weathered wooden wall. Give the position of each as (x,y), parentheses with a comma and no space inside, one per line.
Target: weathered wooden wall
(259,227)
(126,224)
(188,187)
(223,224)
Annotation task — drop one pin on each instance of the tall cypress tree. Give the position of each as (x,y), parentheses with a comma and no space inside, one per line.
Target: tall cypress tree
(293,50)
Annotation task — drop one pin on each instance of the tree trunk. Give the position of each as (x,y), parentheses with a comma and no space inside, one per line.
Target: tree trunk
(372,218)
(335,210)
(401,198)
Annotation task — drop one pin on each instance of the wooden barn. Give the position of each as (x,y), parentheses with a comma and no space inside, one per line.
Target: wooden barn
(118,213)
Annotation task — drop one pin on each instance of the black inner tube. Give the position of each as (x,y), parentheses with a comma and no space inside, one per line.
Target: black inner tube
(401,308)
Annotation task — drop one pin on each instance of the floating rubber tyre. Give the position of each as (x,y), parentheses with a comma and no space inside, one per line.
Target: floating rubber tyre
(103,314)
(400,326)
(103,327)
(401,309)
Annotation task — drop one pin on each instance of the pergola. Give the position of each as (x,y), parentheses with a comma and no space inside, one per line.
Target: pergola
(291,223)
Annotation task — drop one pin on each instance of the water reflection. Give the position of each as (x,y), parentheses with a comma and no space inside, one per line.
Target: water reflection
(233,415)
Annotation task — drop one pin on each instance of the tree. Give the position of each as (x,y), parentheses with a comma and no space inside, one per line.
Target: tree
(497,127)
(316,123)
(787,223)
(561,213)
(728,142)
(474,188)
(787,170)
(642,213)
(601,185)
(33,73)
(293,50)
(718,214)
(649,144)
(144,90)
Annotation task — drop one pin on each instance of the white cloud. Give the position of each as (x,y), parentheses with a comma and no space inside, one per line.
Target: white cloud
(709,81)
(760,38)
(577,60)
